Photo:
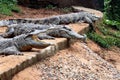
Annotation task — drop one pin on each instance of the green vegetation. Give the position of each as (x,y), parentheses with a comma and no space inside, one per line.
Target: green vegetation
(112,13)
(109,28)
(112,23)
(112,10)
(104,41)
(108,36)
(7,6)
(51,7)
(106,29)
(66,9)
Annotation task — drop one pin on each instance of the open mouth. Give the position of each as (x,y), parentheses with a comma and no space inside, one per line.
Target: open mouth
(35,37)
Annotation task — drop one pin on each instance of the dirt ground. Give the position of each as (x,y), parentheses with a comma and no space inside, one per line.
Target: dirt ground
(111,55)
(72,56)
(33,13)
(74,63)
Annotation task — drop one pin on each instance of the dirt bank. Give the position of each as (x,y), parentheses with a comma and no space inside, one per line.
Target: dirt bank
(74,63)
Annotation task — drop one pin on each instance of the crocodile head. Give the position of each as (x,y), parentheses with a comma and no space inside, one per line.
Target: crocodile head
(65,32)
(93,17)
(28,41)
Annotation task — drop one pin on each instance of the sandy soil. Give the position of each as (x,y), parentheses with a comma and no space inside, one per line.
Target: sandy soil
(74,63)
(33,13)
(111,55)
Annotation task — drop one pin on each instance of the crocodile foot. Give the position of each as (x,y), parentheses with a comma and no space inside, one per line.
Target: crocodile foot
(85,38)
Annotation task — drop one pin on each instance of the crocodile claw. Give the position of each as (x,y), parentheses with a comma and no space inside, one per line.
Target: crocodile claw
(85,38)
(19,53)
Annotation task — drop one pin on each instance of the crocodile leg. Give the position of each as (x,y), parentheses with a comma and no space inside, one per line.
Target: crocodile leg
(39,44)
(45,37)
(80,21)
(11,51)
(88,20)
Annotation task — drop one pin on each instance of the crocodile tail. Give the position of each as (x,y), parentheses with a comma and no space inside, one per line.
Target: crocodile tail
(26,21)
(9,22)
(4,23)
(16,21)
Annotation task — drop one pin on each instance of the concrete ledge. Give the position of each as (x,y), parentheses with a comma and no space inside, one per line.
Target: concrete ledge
(79,8)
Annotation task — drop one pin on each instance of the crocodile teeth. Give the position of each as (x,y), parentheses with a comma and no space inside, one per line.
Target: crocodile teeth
(35,37)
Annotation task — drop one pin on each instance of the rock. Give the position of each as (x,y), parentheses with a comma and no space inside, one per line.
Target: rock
(95,4)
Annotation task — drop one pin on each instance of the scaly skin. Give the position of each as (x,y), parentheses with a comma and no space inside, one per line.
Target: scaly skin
(47,31)
(61,32)
(60,19)
(23,28)
(24,42)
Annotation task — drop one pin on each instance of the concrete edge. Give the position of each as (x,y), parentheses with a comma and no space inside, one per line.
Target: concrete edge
(80,8)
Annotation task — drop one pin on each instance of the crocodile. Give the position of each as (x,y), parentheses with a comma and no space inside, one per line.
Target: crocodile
(23,28)
(47,31)
(59,19)
(23,42)
(61,32)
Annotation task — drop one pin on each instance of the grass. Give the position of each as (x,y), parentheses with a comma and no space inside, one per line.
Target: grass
(51,7)
(66,9)
(8,6)
(104,41)
(113,23)
(108,35)
(98,39)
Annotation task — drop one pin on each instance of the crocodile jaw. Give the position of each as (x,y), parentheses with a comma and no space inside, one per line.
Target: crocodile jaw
(77,36)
